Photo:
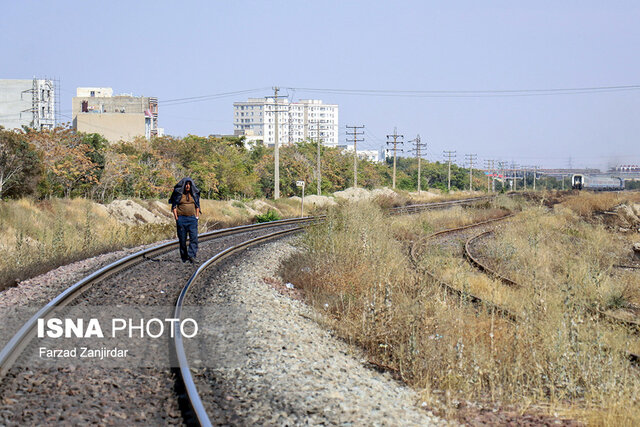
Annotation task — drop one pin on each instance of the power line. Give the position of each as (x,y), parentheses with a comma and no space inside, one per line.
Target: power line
(490,166)
(176,101)
(474,93)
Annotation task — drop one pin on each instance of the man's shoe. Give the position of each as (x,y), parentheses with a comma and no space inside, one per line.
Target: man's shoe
(192,259)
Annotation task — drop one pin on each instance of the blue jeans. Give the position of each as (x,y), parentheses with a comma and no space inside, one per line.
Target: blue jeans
(187,225)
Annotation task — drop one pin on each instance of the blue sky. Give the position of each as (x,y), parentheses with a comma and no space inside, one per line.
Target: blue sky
(185,49)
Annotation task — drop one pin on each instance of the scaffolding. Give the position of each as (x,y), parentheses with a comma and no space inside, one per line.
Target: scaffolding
(44,107)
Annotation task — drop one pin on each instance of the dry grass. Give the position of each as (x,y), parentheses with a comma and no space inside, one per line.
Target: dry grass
(39,236)
(356,270)
(545,249)
(586,203)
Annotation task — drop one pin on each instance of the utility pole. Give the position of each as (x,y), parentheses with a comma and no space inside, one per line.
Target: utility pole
(449,155)
(502,166)
(524,177)
(319,170)
(276,145)
(535,176)
(418,150)
(276,148)
(513,171)
(488,165)
(470,158)
(493,178)
(290,124)
(395,149)
(354,134)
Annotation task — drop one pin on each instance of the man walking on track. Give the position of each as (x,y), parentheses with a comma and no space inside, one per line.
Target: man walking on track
(185,205)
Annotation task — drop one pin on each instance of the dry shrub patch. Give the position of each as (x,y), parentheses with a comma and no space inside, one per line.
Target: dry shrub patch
(586,203)
(557,358)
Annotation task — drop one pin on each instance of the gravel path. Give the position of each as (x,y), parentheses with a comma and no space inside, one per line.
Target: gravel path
(266,361)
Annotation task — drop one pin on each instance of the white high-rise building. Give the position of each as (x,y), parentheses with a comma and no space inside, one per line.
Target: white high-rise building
(297,121)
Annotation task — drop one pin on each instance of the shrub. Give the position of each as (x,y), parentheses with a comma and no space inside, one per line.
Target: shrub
(270,215)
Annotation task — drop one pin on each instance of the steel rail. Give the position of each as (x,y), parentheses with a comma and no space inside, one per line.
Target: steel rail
(21,338)
(633,325)
(482,267)
(185,372)
(474,299)
(435,205)
(463,227)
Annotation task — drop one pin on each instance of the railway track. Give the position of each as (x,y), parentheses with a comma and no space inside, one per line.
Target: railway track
(18,342)
(479,302)
(196,407)
(473,260)
(633,325)
(409,209)
(156,266)
(135,267)
(450,289)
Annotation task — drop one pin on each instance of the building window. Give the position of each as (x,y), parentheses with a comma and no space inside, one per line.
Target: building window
(93,93)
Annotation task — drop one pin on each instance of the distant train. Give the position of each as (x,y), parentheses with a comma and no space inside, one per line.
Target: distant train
(596,183)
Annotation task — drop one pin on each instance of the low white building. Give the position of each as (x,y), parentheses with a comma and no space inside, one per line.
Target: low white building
(297,121)
(370,155)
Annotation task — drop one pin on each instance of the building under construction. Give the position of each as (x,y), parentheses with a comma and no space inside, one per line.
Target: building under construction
(119,117)
(30,103)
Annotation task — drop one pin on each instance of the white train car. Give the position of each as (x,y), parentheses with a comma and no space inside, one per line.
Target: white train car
(596,183)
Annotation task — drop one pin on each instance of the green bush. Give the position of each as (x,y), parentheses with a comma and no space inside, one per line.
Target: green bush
(270,215)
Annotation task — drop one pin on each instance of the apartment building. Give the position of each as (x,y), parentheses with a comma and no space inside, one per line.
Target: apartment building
(119,117)
(306,119)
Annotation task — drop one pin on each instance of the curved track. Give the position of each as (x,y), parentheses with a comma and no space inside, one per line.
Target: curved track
(158,267)
(409,209)
(468,296)
(21,339)
(633,325)
(482,267)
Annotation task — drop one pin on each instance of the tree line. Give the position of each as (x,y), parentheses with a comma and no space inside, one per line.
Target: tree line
(66,163)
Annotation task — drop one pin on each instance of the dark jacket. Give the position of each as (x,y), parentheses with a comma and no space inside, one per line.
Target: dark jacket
(178,191)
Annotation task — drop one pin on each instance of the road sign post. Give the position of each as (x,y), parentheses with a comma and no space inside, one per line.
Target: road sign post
(301,184)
